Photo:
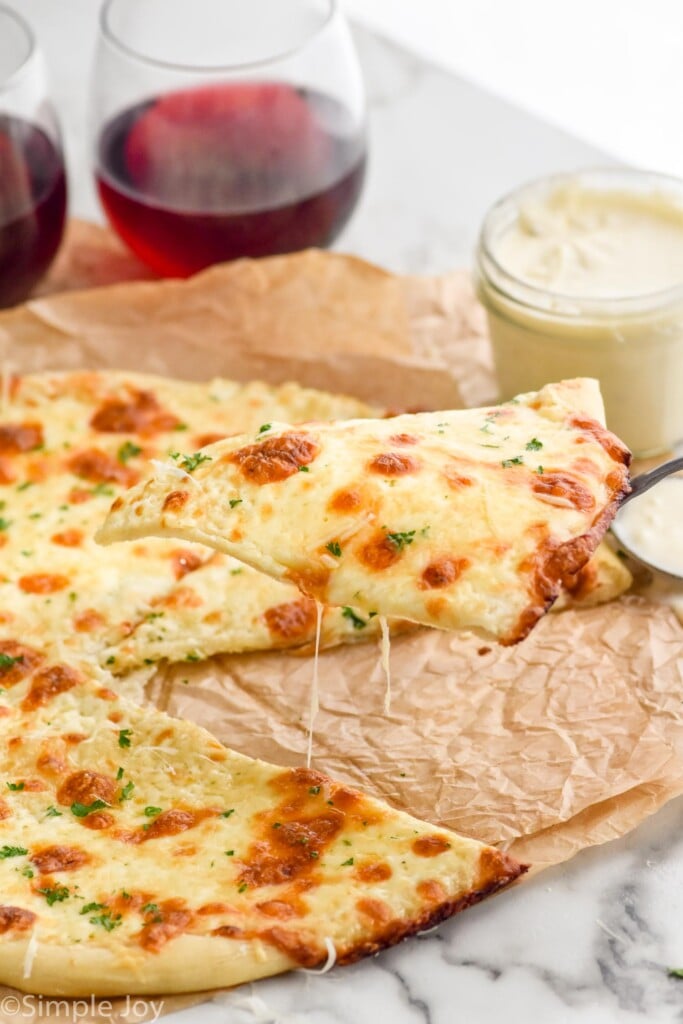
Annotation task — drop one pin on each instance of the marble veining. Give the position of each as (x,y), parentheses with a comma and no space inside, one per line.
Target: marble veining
(589,941)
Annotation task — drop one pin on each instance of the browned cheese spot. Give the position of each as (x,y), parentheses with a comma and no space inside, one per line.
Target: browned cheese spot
(16,438)
(378,911)
(442,572)
(393,464)
(549,485)
(175,919)
(58,858)
(85,787)
(375,871)
(346,500)
(431,891)
(43,583)
(98,467)
(610,442)
(276,458)
(175,501)
(15,919)
(430,846)
(28,660)
(379,552)
(455,479)
(140,414)
(294,620)
(48,683)
(404,439)
(88,621)
(68,538)
(176,820)
(185,561)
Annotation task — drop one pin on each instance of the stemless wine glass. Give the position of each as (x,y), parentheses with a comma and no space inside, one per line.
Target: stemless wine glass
(226,128)
(32,179)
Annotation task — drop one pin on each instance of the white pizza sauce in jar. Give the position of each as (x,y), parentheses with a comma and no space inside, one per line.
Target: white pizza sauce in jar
(582,276)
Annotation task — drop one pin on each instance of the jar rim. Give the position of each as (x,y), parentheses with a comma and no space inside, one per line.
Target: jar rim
(561,304)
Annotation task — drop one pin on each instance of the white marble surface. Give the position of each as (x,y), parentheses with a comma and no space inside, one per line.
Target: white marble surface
(586,942)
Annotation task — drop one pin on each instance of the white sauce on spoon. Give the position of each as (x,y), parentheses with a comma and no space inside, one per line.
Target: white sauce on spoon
(651,526)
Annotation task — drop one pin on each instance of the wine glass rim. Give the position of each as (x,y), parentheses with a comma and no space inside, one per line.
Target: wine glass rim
(10,80)
(111,37)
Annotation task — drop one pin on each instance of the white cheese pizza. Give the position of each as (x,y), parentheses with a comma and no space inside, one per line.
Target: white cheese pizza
(138,855)
(472,519)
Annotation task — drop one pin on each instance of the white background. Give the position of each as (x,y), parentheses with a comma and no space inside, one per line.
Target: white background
(608,71)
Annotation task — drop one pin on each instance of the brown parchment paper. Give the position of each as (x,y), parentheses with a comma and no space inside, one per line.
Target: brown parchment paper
(568,740)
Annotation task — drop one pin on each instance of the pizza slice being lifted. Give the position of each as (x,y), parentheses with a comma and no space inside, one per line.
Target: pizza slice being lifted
(460,520)
(138,855)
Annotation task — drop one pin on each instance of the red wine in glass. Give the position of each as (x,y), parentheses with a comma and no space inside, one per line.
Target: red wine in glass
(32,206)
(213,173)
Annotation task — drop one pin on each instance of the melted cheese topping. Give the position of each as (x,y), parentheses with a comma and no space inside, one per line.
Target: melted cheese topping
(471,519)
(128,832)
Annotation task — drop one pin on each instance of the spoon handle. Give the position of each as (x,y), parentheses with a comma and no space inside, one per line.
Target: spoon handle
(644,481)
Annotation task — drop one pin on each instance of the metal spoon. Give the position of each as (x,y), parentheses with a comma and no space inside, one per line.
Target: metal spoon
(639,484)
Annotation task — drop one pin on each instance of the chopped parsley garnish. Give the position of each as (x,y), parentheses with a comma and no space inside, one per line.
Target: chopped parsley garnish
(192,656)
(517,461)
(119,774)
(235,572)
(181,426)
(534,445)
(83,810)
(111,660)
(190,462)
(243,887)
(304,469)
(314,790)
(234,502)
(12,851)
(4,523)
(347,863)
(27,871)
(124,737)
(314,855)
(103,489)
(675,972)
(15,787)
(128,450)
(226,814)
(127,791)
(356,620)
(539,470)
(7,661)
(25,486)
(277,824)
(89,908)
(153,909)
(151,812)
(264,427)
(55,894)
(229,853)
(334,548)
(401,540)
(107,920)
(52,812)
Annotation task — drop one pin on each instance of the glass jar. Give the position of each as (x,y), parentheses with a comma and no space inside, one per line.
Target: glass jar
(629,337)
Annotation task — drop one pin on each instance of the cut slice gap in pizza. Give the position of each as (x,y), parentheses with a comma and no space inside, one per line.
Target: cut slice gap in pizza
(472,519)
(138,855)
